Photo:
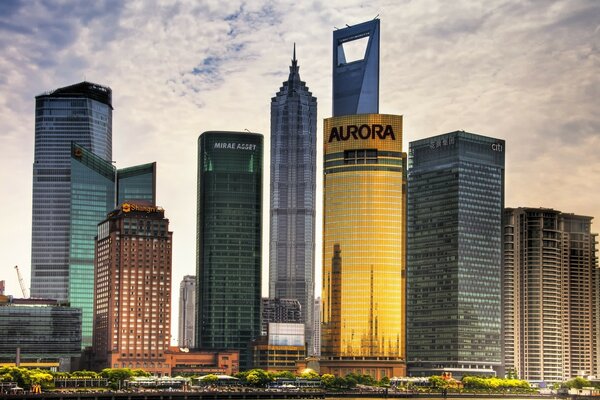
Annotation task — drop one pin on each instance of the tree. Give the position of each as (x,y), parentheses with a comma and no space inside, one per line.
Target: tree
(210,379)
(577,383)
(309,374)
(385,381)
(116,376)
(284,375)
(437,382)
(258,377)
(328,380)
(42,378)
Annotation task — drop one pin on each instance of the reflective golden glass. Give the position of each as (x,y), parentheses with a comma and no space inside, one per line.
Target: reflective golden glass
(364,238)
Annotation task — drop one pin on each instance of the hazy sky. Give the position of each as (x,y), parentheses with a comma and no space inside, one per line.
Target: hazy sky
(524,71)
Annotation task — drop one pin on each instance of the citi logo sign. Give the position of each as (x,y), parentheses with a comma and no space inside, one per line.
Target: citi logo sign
(364,131)
(497,147)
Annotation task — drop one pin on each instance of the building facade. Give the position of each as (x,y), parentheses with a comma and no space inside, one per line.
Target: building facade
(38,333)
(364,242)
(293,191)
(455,203)
(279,310)
(96,189)
(229,241)
(364,217)
(281,349)
(80,113)
(132,286)
(550,284)
(317,328)
(187,312)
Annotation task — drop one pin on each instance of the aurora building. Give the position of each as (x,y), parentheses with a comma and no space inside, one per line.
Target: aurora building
(293,186)
(455,203)
(363,325)
(229,242)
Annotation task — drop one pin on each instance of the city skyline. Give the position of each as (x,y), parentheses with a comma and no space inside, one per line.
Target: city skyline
(525,73)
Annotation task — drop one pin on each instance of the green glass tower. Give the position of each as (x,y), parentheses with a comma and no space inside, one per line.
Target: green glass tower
(92,197)
(229,241)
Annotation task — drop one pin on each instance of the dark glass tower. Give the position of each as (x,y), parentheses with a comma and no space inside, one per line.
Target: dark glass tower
(356,69)
(229,241)
(293,185)
(92,197)
(455,206)
(80,113)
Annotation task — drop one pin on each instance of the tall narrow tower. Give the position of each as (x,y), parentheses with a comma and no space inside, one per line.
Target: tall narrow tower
(229,242)
(293,185)
(364,222)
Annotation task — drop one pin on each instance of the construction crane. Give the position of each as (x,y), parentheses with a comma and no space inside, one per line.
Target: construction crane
(22,283)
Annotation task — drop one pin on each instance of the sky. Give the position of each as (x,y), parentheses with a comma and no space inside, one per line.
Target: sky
(527,72)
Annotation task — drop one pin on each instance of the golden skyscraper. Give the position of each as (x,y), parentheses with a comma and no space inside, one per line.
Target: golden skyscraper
(364,246)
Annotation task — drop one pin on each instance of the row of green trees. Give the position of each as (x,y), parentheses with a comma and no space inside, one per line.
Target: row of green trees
(25,377)
(261,378)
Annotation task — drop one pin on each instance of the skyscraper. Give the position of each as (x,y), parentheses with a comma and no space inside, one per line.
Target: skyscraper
(455,203)
(550,283)
(93,195)
(187,311)
(132,309)
(364,223)
(293,185)
(356,69)
(229,241)
(80,113)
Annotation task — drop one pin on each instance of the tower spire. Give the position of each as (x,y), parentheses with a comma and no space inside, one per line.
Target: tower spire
(294,75)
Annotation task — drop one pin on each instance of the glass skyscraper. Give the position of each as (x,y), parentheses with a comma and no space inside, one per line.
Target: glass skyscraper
(229,241)
(80,113)
(356,69)
(364,217)
(364,246)
(293,186)
(455,206)
(92,197)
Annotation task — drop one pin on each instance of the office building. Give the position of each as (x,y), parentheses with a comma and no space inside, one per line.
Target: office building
(455,203)
(281,349)
(279,310)
(550,283)
(80,113)
(229,241)
(199,362)
(364,241)
(95,187)
(38,333)
(356,69)
(187,311)
(132,286)
(293,186)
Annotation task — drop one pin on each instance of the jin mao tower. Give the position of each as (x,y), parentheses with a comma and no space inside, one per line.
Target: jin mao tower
(293,184)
